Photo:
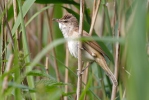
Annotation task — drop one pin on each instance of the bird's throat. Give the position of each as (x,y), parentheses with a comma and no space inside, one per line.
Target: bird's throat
(65,30)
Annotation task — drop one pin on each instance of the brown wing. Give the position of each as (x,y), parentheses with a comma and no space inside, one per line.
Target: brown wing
(94,44)
(94,49)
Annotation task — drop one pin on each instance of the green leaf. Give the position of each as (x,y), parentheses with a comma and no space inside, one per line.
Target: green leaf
(49,82)
(56,2)
(15,85)
(35,73)
(25,8)
(137,59)
(10,12)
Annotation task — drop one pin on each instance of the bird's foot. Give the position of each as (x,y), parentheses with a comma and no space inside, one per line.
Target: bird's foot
(82,71)
(79,73)
(88,64)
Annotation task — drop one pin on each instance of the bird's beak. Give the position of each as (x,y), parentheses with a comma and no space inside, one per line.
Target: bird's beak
(56,20)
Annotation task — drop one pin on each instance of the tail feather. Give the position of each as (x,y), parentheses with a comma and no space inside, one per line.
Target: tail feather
(101,61)
(99,58)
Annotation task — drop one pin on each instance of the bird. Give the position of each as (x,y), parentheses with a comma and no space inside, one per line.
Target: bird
(91,51)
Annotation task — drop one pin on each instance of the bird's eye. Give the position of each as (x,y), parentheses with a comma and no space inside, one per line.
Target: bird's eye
(65,21)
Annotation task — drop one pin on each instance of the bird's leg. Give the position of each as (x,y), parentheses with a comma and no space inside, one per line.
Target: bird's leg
(79,73)
(88,64)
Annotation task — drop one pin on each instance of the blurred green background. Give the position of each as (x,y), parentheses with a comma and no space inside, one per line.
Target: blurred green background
(31,42)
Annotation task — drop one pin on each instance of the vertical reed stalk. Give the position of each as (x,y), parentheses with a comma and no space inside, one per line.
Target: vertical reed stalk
(79,83)
(66,72)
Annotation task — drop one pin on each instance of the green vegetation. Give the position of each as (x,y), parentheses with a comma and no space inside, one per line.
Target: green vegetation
(35,63)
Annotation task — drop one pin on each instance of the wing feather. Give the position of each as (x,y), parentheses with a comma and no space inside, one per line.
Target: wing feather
(94,44)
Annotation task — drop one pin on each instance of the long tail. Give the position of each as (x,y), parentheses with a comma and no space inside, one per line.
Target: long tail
(101,61)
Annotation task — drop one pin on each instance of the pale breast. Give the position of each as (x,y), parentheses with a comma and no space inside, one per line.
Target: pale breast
(73,48)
